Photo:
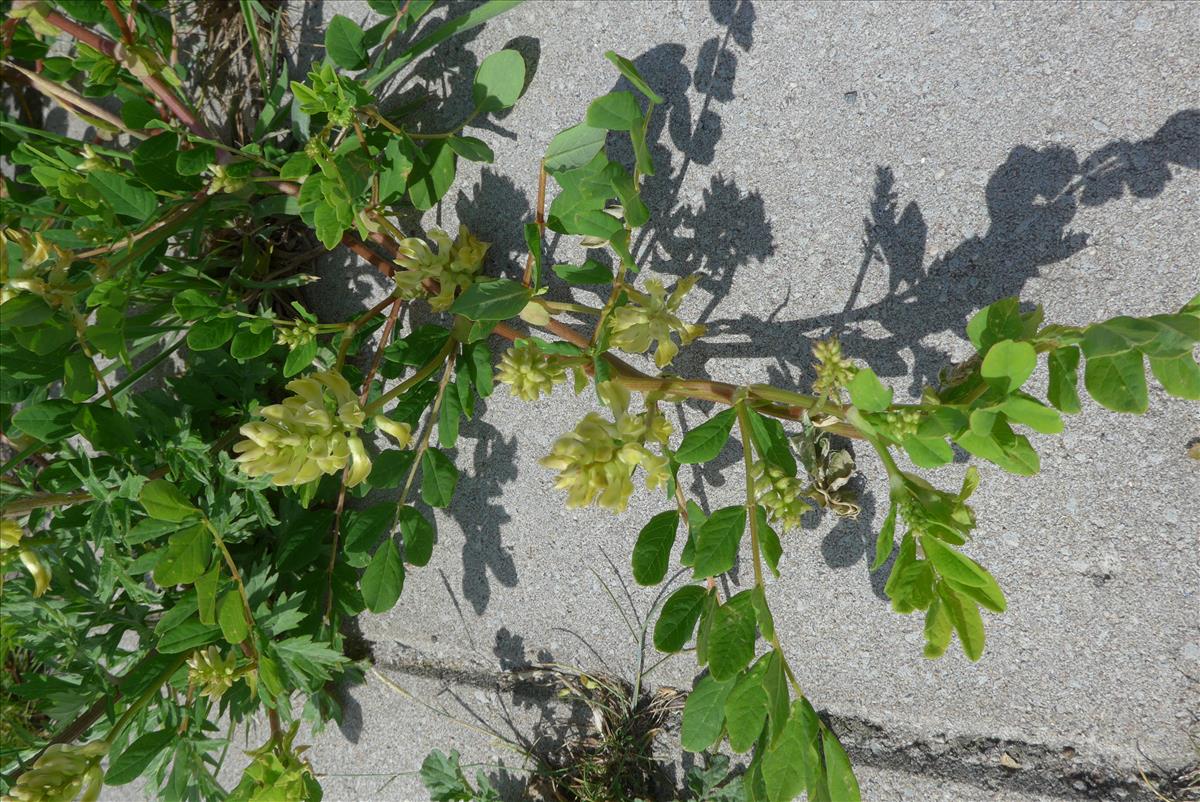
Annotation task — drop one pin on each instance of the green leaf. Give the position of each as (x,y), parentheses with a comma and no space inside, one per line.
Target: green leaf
(768,541)
(573,147)
(1063,390)
(616,111)
(344,43)
(210,334)
(633,76)
(717,541)
(443,777)
(1002,446)
(1000,321)
(954,565)
(928,452)
(678,618)
(248,343)
(185,558)
(231,617)
(197,159)
(842,784)
(47,420)
(1179,376)
(1008,364)
(79,379)
(123,197)
(652,552)
(886,539)
(137,757)
(384,578)
(704,713)
(25,309)
(165,502)
(105,429)
(1032,413)
(438,478)
(746,708)
(762,612)
(187,636)
(449,416)
(771,441)
(136,113)
(498,299)
(499,81)
(206,594)
(432,174)
(362,529)
(938,630)
(191,304)
(731,642)
(964,615)
(533,240)
(472,149)
(1118,381)
(794,757)
(300,358)
(706,441)
(776,685)
(868,393)
(418,536)
(590,272)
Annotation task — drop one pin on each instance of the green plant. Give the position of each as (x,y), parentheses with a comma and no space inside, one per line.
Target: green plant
(223,578)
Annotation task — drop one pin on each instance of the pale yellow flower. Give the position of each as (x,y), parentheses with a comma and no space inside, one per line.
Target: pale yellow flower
(651,319)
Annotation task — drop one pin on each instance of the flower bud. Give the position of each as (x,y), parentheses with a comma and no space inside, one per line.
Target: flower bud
(528,372)
(212,673)
(400,432)
(834,371)
(535,314)
(63,773)
(37,568)
(453,265)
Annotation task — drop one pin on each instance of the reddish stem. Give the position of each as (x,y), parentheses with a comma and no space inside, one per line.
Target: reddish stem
(152,82)
(388,327)
(122,25)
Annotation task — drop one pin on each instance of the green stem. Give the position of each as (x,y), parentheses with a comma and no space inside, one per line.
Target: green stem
(146,696)
(743,415)
(424,372)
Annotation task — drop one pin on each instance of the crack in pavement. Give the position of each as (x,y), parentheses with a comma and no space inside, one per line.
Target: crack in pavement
(985,762)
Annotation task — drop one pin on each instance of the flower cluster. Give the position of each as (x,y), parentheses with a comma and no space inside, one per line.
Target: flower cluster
(929,511)
(313,432)
(212,673)
(277,772)
(42,269)
(10,538)
(302,333)
(453,265)
(651,318)
(528,372)
(596,461)
(834,371)
(903,423)
(225,179)
(782,496)
(62,773)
